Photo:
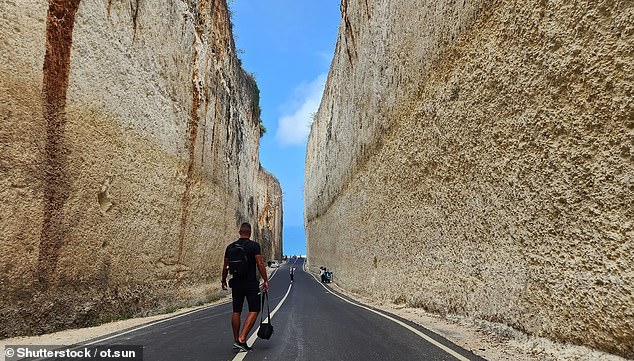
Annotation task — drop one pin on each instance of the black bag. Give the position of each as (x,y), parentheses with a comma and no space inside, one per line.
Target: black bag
(266,329)
(237,259)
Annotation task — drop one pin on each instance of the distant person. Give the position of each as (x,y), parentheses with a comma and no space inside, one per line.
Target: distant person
(241,259)
(292,273)
(322,273)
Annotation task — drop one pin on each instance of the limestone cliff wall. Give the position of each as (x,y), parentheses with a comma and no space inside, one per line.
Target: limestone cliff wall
(269,218)
(476,157)
(129,155)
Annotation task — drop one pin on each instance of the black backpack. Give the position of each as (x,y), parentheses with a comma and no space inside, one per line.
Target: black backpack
(238,261)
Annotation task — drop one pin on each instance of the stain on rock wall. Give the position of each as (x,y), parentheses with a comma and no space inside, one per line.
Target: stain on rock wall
(60,20)
(481,154)
(129,139)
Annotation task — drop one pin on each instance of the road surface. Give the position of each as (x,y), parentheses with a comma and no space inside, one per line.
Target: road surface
(311,322)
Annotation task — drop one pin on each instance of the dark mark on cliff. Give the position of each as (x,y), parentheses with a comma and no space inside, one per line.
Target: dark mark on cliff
(59,37)
(349,33)
(193,135)
(134,10)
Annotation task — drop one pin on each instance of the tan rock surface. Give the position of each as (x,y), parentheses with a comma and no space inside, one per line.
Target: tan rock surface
(476,158)
(129,139)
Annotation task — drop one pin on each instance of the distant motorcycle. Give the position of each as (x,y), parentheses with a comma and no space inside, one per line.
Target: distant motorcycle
(326,277)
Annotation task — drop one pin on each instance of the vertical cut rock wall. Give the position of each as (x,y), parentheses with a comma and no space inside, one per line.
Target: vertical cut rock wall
(477,157)
(129,138)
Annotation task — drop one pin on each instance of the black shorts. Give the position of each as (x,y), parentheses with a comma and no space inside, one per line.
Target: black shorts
(248,290)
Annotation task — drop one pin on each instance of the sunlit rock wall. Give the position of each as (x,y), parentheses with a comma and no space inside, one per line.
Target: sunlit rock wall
(129,156)
(270,213)
(476,157)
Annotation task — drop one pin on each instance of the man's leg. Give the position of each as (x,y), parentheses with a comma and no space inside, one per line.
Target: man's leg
(235,324)
(253,299)
(248,325)
(238,295)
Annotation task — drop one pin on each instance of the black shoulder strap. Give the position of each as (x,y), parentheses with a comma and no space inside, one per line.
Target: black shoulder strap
(265,295)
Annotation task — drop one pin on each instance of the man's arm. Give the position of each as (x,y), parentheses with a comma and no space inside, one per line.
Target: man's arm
(262,269)
(225,271)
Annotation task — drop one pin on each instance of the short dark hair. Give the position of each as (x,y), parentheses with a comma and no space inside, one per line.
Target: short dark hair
(245,229)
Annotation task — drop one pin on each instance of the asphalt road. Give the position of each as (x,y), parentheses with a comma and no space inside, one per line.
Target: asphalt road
(312,323)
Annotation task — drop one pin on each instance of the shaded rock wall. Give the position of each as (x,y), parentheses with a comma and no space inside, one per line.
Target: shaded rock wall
(476,157)
(129,155)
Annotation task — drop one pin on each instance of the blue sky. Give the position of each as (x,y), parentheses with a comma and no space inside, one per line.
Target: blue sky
(288,45)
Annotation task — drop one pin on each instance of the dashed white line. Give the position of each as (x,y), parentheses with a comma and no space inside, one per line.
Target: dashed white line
(241,355)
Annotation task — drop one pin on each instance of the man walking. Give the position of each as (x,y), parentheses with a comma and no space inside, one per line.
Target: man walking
(292,273)
(241,259)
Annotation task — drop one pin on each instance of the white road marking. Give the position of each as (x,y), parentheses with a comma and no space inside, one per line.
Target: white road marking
(98,340)
(273,274)
(415,331)
(241,354)
(155,323)
(163,320)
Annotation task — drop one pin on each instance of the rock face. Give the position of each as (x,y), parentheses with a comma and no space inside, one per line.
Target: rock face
(477,157)
(129,140)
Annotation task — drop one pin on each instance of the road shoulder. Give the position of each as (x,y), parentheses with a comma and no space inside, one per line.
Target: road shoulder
(81,335)
(492,341)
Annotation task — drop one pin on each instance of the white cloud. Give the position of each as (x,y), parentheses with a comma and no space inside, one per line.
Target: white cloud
(294,126)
